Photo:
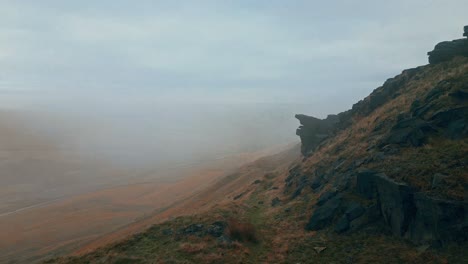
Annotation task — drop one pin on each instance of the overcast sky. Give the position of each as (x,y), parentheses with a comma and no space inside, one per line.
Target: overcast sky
(275,51)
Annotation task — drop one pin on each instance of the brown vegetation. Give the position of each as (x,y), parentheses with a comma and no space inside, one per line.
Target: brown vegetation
(241,231)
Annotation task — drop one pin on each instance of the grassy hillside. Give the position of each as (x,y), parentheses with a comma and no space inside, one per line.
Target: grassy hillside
(261,211)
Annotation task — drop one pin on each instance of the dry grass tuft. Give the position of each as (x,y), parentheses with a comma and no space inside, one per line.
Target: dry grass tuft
(241,231)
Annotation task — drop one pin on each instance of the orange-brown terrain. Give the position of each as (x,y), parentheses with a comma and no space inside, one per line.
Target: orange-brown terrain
(35,226)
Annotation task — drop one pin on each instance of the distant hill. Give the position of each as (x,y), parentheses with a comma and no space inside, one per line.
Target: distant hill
(384,182)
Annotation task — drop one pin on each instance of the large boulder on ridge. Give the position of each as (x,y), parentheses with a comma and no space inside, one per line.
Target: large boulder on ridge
(314,130)
(447,50)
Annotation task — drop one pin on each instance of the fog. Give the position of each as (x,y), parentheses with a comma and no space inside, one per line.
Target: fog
(98,93)
(162,133)
(54,149)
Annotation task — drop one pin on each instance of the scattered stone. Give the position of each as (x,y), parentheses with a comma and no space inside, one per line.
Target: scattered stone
(224,240)
(275,202)
(194,229)
(216,229)
(237,197)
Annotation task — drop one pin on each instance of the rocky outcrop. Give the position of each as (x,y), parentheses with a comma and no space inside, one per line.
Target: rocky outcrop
(412,214)
(431,107)
(447,50)
(313,131)
(407,213)
(442,112)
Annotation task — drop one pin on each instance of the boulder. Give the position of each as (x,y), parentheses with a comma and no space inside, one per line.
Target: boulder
(447,50)
(314,131)
(413,215)
(324,215)
(437,180)
(439,221)
(453,122)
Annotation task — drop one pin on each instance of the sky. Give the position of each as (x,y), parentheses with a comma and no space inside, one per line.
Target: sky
(327,52)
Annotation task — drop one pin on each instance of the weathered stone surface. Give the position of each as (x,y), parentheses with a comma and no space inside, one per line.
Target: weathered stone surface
(439,221)
(396,203)
(342,225)
(324,214)
(313,131)
(437,180)
(409,131)
(414,215)
(326,196)
(453,122)
(447,50)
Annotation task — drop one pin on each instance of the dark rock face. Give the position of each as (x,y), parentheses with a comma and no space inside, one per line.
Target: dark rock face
(313,131)
(414,215)
(439,220)
(354,211)
(447,50)
(325,197)
(324,214)
(409,131)
(454,122)
(430,116)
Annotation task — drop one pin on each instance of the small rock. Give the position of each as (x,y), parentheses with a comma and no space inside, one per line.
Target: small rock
(438,179)
(319,249)
(275,202)
(422,248)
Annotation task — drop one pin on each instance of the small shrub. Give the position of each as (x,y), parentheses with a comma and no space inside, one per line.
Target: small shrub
(241,231)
